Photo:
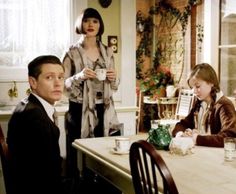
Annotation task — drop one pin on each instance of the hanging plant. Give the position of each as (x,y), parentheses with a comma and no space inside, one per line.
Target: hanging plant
(170,16)
(200,36)
(145,42)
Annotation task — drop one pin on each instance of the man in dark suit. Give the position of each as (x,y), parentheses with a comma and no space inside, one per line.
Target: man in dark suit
(33,137)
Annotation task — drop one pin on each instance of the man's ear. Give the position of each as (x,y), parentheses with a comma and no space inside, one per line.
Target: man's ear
(32,82)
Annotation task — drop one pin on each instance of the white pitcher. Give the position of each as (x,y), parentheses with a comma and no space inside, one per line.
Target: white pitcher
(170,91)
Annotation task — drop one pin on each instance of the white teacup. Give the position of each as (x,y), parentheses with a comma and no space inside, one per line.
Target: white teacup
(122,144)
(101,74)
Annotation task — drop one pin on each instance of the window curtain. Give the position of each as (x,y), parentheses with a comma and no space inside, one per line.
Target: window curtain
(29,28)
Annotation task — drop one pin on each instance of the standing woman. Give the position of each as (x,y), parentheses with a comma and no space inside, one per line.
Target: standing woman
(213,115)
(91,107)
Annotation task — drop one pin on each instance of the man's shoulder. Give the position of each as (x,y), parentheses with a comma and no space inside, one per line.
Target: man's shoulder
(27,106)
(21,106)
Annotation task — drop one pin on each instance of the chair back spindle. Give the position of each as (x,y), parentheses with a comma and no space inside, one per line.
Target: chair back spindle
(149,170)
(184,104)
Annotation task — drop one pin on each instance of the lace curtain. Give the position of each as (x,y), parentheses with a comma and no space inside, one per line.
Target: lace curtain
(29,28)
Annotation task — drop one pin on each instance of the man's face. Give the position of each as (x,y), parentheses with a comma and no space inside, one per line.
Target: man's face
(50,83)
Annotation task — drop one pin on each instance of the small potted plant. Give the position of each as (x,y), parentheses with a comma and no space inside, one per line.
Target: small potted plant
(155,82)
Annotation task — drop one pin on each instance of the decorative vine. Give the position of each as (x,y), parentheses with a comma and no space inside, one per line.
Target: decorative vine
(164,47)
(145,42)
(200,36)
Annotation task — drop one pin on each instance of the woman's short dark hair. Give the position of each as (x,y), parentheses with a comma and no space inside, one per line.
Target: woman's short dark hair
(35,66)
(88,13)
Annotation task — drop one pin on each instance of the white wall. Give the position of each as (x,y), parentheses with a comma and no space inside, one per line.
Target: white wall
(211,35)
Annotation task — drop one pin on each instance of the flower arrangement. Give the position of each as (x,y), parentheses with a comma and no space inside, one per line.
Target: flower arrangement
(155,81)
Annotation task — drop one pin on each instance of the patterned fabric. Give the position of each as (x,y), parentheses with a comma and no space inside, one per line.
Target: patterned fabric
(98,86)
(80,91)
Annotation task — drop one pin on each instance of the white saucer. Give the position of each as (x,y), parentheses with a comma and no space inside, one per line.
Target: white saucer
(114,151)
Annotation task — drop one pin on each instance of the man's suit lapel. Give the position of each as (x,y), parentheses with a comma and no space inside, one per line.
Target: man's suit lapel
(35,102)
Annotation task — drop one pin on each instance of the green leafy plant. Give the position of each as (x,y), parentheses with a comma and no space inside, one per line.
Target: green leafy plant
(154,80)
(144,47)
(200,36)
(165,49)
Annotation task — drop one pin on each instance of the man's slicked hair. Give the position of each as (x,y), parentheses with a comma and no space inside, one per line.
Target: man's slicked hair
(35,66)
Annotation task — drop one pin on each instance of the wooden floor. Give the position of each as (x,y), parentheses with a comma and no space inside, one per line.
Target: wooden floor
(2,187)
(91,184)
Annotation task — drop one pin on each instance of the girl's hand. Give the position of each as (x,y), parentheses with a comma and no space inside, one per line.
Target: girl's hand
(111,75)
(194,135)
(191,133)
(187,133)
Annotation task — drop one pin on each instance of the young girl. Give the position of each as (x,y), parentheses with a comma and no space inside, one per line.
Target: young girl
(213,115)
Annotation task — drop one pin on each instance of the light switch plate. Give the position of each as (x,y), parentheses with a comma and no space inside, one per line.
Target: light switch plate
(113,43)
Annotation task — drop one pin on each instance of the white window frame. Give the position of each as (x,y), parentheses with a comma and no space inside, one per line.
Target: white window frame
(20,73)
(211,33)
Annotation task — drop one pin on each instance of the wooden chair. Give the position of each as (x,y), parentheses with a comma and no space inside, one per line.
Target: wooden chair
(140,114)
(184,104)
(5,156)
(149,170)
(183,107)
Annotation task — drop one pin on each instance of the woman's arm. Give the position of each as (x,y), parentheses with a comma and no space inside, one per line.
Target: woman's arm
(73,81)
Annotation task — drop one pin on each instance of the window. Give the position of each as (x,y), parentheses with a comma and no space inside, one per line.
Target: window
(227,46)
(220,41)
(31,28)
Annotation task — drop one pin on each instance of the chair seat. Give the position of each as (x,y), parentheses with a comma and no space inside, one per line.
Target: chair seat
(5,157)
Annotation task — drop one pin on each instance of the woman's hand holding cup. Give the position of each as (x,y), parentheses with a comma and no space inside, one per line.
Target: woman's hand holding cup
(111,75)
(86,73)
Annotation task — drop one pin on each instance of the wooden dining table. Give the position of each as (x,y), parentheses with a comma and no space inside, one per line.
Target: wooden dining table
(202,172)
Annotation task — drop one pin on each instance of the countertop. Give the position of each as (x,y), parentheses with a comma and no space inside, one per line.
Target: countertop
(7,110)
(61,109)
